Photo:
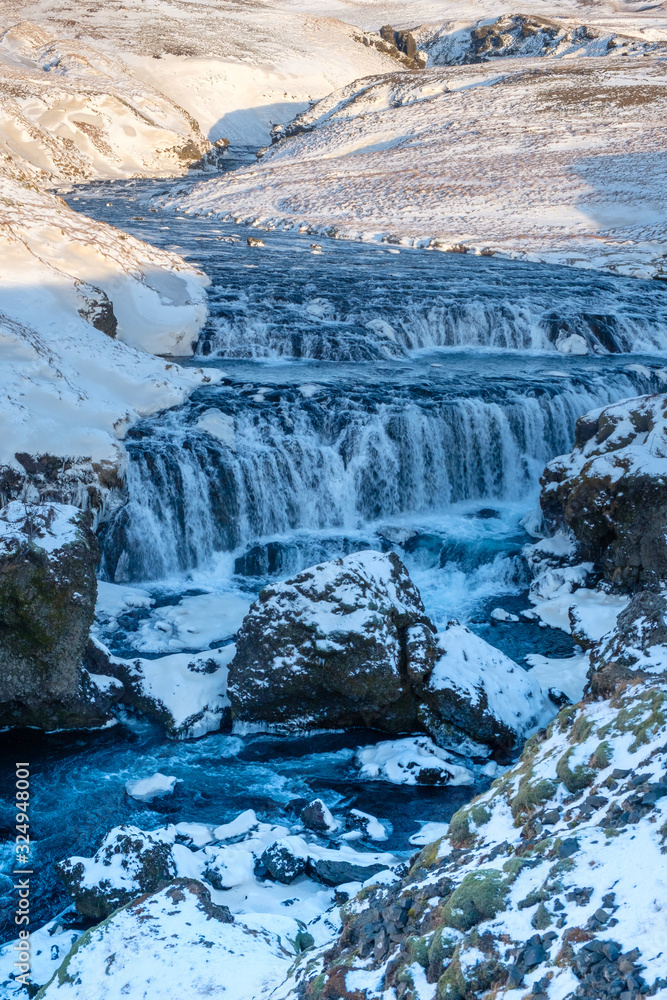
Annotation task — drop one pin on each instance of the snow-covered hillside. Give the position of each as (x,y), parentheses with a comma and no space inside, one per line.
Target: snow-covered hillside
(77,114)
(558,160)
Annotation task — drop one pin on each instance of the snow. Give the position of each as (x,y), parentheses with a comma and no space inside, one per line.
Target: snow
(69,389)
(132,945)
(187,691)
(156,786)
(198,834)
(429,833)
(194,699)
(76,113)
(566,674)
(49,527)
(194,623)
(114,600)
(411,761)
(244,823)
(476,670)
(584,611)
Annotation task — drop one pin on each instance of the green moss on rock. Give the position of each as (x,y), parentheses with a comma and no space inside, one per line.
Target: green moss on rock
(479,897)
(577,778)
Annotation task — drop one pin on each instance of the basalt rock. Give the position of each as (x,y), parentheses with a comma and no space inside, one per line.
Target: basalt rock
(611,491)
(48,555)
(635,649)
(128,863)
(347,643)
(337,646)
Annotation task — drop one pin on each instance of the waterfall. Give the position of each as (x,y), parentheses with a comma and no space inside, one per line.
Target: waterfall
(369,306)
(241,463)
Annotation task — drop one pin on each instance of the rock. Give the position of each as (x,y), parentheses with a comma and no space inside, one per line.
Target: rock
(185,692)
(341,872)
(567,848)
(254,241)
(476,698)
(611,491)
(634,650)
(280,863)
(347,643)
(48,556)
(128,863)
(339,645)
(415,760)
(367,825)
(317,816)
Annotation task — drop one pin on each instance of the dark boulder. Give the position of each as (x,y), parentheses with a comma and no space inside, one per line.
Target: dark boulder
(337,646)
(48,556)
(611,491)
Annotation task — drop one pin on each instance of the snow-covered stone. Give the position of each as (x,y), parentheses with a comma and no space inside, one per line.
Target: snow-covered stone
(327,648)
(317,816)
(611,491)
(635,648)
(155,786)
(186,692)
(476,697)
(524,35)
(366,825)
(128,863)
(415,760)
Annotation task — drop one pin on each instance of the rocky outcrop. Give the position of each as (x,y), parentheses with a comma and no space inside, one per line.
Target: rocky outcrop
(347,643)
(337,646)
(400,45)
(128,863)
(48,555)
(635,650)
(611,491)
(521,35)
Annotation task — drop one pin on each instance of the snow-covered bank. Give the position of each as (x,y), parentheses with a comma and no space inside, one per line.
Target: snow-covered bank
(501,158)
(83,310)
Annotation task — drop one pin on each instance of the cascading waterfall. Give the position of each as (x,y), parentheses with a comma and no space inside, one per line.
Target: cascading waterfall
(371,305)
(241,463)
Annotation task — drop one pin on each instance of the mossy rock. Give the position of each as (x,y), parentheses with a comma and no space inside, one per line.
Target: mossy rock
(531,794)
(459,828)
(451,984)
(441,950)
(541,918)
(602,755)
(477,980)
(480,896)
(577,778)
